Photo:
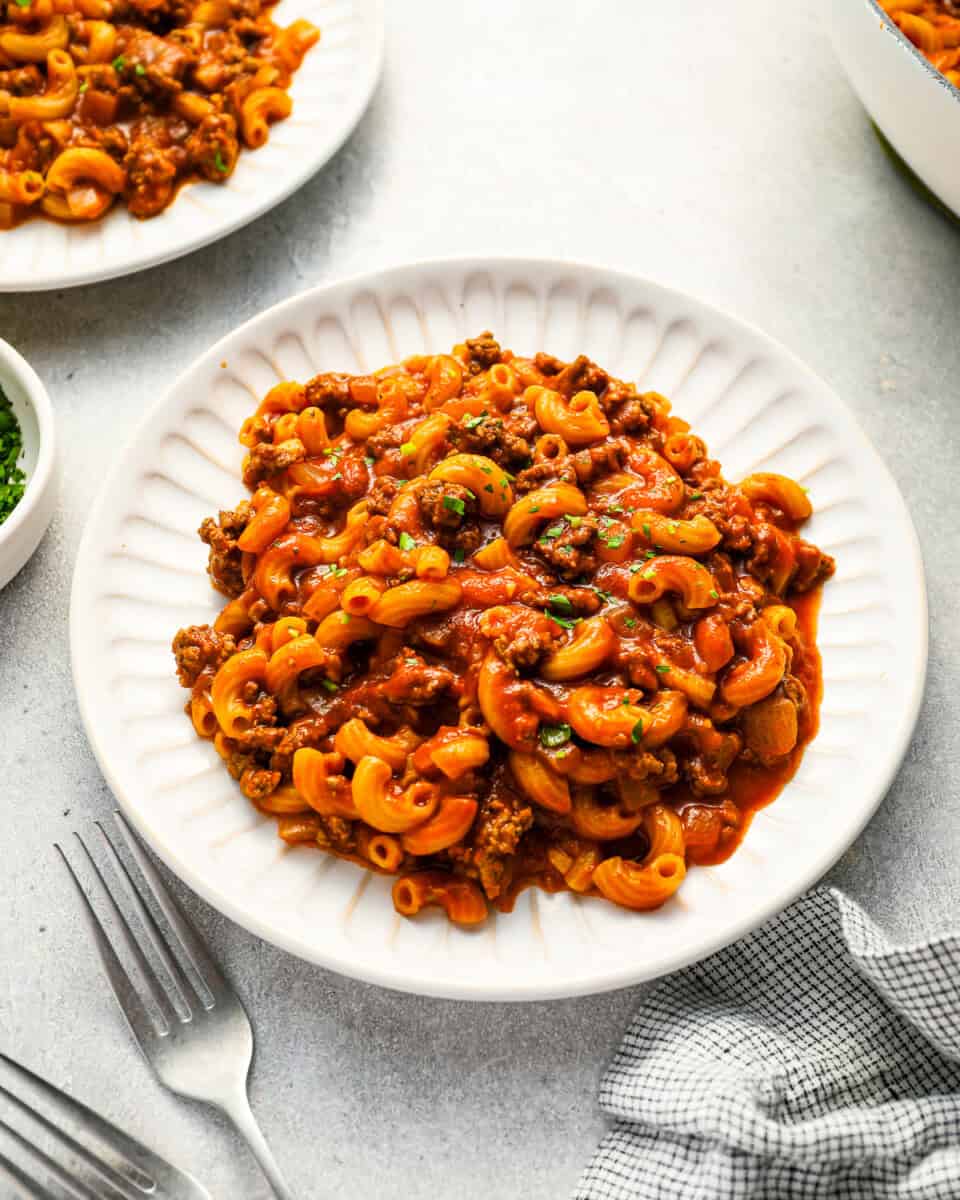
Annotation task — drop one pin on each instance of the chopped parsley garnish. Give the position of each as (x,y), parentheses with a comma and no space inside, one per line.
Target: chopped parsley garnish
(369,459)
(615,541)
(553,532)
(552,736)
(12,483)
(615,508)
(408,448)
(662,669)
(406,541)
(411,662)
(650,554)
(330,685)
(336,572)
(473,422)
(459,555)
(574,522)
(561,603)
(22,3)
(534,508)
(602,596)
(119,63)
(714,594)
(330,452)
(648,574)
(637,732)
(631,622)
(488,488)
(646,531)
(696,495)
(83,86)
(453,504)
(635,567)
(487,470)
(140,69)
(217,158)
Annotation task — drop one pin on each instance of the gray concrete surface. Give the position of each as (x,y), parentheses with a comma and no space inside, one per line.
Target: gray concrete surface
(717,150)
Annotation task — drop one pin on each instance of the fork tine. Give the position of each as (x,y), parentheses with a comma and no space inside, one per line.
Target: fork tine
(134,1009)
(191,943)
(118,1152)
(176,972)
(76,1190)
(27,1189)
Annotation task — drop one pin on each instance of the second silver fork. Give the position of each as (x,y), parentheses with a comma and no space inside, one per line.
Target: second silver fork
(191,1026)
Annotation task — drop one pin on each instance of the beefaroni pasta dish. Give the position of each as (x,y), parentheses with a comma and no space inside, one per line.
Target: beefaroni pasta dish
(102,99)
(934,28)
(496,621)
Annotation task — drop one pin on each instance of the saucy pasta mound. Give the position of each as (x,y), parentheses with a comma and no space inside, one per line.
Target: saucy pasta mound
(934,28)
(102,99)
(498,621)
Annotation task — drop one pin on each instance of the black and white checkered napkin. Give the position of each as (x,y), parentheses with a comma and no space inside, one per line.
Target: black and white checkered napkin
(810,1060)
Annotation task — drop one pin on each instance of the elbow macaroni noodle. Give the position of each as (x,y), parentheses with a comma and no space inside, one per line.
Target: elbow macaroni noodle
(496,621)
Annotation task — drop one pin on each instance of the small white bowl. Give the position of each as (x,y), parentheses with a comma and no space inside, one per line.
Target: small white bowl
(913,105)
(20,534)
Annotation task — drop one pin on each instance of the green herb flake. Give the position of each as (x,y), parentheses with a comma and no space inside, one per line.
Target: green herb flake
(553,532)
(534,508)
(338,475)
(453,504)
(649,554)
(696,495)
(83,86)
(218,159)
(119,63)
(473,422)
(369,460)
(602,596)
(22,3)
(338,572)
(631,622)
(411,662)
(408,448)
(662,669)
(552,736)
(714,594)
(574,522)
(564,622)
(12,479)
(561,603)
(140,69)
(636,733)
(330,686)
(344,618)
(487,470)
(635,567)
(648,574)
(459,555)
(406,541)
(488,488)
(646,531)
(615,542)
(615,508)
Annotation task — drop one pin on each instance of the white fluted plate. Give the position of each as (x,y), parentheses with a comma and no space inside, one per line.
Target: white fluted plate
(330,92)
(140,575)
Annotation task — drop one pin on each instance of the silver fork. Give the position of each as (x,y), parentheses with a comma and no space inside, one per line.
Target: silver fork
(90,1155)
(192,1028)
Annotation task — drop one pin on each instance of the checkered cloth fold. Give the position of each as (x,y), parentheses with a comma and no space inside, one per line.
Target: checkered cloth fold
(810,1060)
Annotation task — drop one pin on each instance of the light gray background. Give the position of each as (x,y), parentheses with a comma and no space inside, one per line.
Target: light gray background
(714,148)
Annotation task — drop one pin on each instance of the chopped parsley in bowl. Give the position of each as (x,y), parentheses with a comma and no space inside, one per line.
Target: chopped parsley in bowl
(28,462)
(12,478)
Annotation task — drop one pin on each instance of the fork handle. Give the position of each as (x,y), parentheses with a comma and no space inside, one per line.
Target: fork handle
(239,1112)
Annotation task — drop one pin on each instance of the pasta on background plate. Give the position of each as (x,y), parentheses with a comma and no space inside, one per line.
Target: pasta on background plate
(496,621)
(129,99)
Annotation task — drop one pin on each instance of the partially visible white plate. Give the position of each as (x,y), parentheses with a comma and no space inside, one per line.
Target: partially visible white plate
(330,93)
(140,575)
